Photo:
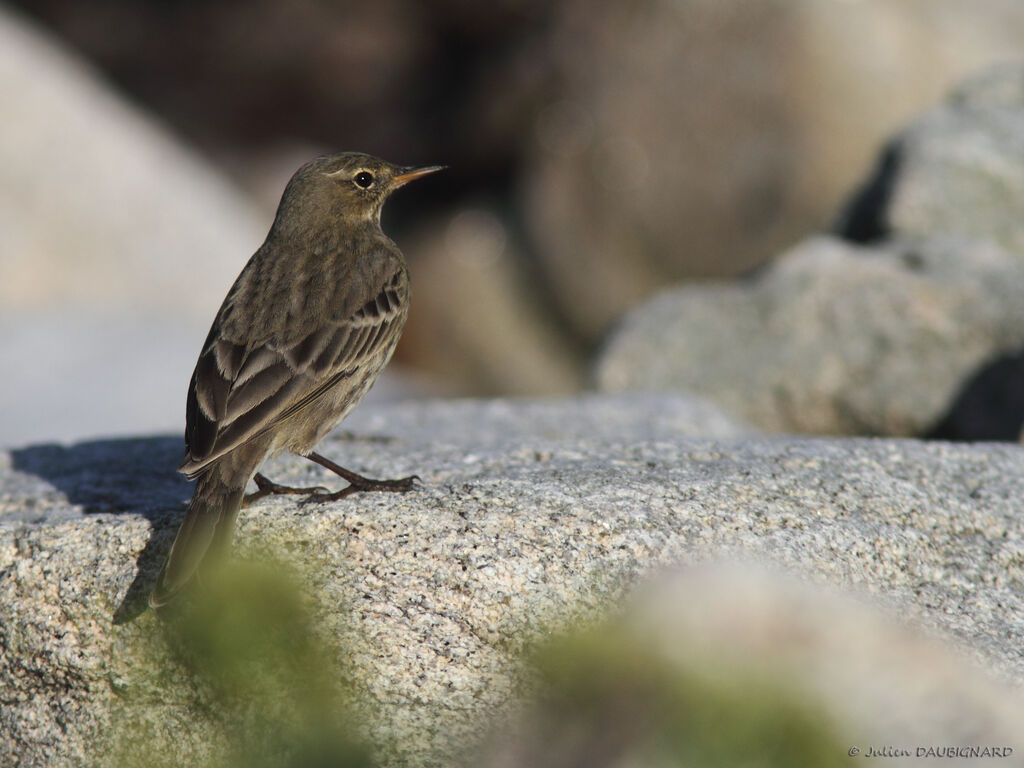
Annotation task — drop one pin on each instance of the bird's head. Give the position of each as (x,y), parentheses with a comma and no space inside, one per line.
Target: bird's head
(351,186)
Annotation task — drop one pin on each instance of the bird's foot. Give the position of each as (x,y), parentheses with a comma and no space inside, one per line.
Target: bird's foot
(268,487)
(365,485)
(357,483)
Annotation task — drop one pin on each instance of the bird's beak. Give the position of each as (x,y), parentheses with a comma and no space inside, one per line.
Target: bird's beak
(409,174)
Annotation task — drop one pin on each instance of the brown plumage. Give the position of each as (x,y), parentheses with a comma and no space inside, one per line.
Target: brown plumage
(302,335)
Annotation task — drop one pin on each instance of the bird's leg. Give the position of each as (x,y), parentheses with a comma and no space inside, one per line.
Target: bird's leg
(268,487)
(358,483)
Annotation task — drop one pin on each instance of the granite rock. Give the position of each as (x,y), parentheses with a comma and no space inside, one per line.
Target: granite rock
(836,338)
(957,170)
(529,516)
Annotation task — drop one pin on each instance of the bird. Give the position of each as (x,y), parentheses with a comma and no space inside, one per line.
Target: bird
(303,333)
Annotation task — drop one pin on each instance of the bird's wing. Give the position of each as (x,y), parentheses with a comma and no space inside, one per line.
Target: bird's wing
(240,392)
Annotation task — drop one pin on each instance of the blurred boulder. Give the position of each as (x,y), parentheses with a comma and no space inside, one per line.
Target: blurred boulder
(624,146)
(958,170)
(117,245)
(476,322)
(683,139)
(101,206)
(728,665)
(835,338)
(410,81)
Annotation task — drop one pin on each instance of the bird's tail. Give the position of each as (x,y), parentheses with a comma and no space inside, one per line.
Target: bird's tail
(205,532)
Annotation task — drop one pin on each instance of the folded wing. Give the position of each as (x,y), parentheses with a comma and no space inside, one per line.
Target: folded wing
(239,392)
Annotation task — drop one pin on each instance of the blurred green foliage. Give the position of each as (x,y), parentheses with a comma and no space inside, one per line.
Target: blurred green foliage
(607,698)
(265,688)
(243,675)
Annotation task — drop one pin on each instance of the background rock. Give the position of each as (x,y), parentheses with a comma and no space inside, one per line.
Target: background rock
(697,139)
(620,148)
(721,645)
(834,338)
(475,316)
(117,245)
(529,516)
(957,170)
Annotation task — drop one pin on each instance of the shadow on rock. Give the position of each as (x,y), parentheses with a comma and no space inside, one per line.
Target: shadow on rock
(990,406)
(130,475)
(863,219)
(136,600)
(134,475)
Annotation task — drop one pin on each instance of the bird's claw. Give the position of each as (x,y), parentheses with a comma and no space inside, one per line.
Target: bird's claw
(364,485)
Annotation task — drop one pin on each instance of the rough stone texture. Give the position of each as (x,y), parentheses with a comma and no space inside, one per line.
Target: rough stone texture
(958,169)
(529,514)
(117,244)
(834,338)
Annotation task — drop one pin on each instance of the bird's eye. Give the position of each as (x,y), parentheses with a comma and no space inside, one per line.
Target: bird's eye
(364,179)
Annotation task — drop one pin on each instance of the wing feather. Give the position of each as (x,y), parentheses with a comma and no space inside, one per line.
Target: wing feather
(250,394)
(229,357)
(349,354)
(239,393)
(256,361)
(211,387)
(331,355)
